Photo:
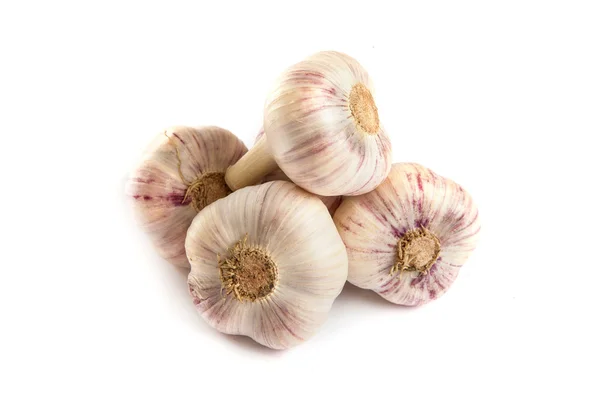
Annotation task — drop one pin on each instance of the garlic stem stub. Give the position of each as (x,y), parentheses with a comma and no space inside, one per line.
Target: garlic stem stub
(322,129)
(407,239)
(181,172)
(331,202)
(266,262)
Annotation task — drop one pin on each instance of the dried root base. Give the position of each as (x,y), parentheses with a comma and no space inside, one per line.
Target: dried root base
(363,109)
(249,273)
(208,188)
(418,250)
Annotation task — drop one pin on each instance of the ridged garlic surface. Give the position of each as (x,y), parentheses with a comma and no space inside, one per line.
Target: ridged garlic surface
(267,262)
(322,129)
(408,239)
(331,202)
(180,173)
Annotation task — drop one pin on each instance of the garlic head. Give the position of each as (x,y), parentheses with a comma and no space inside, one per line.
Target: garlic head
(408,239)
(181,172)
(323,128)
(266,262)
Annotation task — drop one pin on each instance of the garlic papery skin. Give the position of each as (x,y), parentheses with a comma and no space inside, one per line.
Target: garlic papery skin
(267,262)
(322,129)
(407,239)
(180,173)
(331,202)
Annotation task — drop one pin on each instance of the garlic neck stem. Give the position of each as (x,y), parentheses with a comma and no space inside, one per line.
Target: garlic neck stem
(253,166)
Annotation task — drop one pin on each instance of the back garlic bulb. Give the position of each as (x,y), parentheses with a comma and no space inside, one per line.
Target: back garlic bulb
(267,262)
(331,202)
(322,129)
(408,239)
(181,172)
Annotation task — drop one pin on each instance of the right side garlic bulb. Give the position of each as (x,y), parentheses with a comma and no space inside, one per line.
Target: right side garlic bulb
(407,239)
(267,262)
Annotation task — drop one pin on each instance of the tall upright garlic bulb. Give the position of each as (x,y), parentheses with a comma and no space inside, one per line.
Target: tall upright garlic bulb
(322,129)
(181,172)
(267,262)
(331,202)
(407,239)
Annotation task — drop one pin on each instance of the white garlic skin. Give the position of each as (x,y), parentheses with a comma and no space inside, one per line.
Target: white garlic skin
(411,197)
(312,133)
(157,190)
(295,229)
(331,202)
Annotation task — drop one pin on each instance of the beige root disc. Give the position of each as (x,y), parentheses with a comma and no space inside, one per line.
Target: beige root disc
(207,189)
(418,250)
(248,272)
(363,108)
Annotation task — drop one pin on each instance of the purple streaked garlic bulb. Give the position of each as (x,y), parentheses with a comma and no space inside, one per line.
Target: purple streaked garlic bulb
(267,262)
(408,239)
(181,172)
(322,129)
(331,202)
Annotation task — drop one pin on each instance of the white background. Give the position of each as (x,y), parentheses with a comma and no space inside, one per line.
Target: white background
(503,97)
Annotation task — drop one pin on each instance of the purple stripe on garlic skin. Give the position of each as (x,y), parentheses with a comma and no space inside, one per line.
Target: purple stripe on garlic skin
(316,136)
(331,202)
(293,228)
(411,198)
(158,192)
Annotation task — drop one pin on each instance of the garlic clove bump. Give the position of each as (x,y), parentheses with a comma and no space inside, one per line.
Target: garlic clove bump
(331,202)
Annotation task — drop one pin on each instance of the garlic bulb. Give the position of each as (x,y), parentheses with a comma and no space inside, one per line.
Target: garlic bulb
(267,262)
(407,239)
(331,202)
(322,129)
(181,172)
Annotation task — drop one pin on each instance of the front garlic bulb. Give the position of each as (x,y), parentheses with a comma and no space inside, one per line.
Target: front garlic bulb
(407,239)
(322,129)
(181,172)
(267,262)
